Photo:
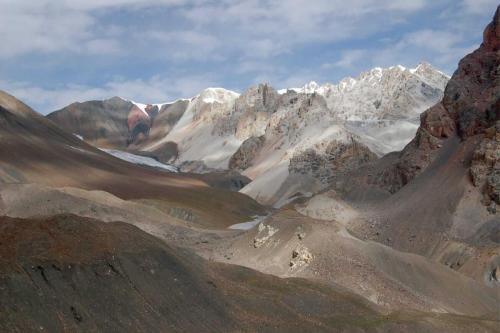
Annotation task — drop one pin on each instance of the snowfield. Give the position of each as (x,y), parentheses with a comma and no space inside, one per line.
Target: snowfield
(142,160)
(248,225)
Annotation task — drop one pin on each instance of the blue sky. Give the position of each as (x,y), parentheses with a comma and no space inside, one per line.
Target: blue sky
(55,52)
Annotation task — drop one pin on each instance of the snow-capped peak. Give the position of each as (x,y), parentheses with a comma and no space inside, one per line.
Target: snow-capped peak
(141,106)
(309,88)
(425,67)
(219,95)
(399,67)
(424,71)
(429,74)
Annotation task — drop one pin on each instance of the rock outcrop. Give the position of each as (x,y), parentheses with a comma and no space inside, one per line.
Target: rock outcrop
(485,167)
(139,124)
(301,256)
(253,110)
(470,107)
(265,234)
(248,150)
(123,125)
(472,97)
(337,159)
(100,123)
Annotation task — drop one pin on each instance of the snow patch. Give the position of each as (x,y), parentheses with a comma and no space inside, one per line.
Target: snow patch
(137,159)
(219,95)
(248,225)
(141,107)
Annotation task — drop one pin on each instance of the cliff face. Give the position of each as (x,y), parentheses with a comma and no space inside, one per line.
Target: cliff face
(470,108)
(439,196)
(117,123)
(100,123)
(139,123)
(473,100)
(338,158)
(472,96)
(485,167)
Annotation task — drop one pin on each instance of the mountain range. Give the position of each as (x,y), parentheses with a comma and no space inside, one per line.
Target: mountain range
(366,206)
(269,136)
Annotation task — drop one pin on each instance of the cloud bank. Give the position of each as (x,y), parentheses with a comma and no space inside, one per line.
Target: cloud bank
(58,51)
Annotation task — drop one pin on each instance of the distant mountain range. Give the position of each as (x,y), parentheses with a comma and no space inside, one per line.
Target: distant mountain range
(270,136)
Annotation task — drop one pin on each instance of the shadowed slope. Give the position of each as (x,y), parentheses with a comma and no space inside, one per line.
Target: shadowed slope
(34,150)
(438,197)
(289,244)
(101,123)
(74,274)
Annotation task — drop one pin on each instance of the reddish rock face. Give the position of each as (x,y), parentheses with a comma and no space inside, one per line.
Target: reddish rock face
(135,117)
(470,106)
(471,102)
(472,97)
(437,122)
(152,110)
(492,33)
(485,167)
(139,124)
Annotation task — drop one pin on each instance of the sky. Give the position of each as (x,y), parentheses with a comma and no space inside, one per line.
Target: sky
(55,52)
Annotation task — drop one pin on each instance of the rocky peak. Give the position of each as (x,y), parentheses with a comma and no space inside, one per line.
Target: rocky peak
(470,107)
(261,98)
(116,100)
(310,88)
(472,96)
(491,36)
(217,95)
(386,93)
(423,67)
(213,104)
(252,111)
(430,75)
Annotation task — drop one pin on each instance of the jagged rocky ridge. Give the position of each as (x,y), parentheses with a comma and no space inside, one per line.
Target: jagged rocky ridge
(438,197)
(470,109)
(259,132)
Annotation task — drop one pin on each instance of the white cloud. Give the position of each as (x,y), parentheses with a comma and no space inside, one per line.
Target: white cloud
(348,59)
(154,90)
(185,45)
(233,38)
(258,28)
(40,29)
(439,41)
(479,7)
(103,46)
(293,81)
(61,25)
(268,28)
(254,66)
(441,48)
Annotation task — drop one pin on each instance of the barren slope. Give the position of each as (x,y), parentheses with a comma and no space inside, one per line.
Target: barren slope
(73,274)
(438,197)
(34,150)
